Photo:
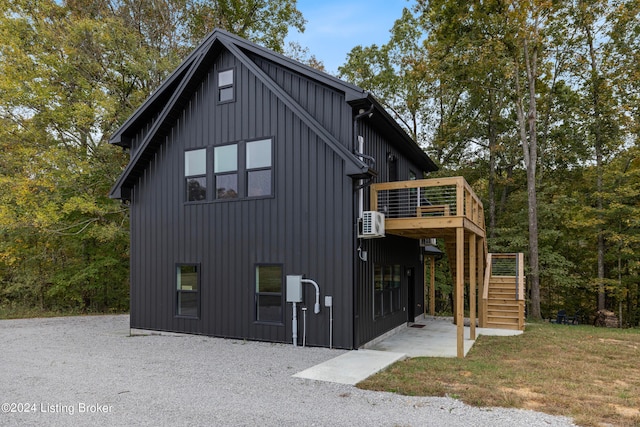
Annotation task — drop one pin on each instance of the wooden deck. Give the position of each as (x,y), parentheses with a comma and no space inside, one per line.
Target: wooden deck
(448,208)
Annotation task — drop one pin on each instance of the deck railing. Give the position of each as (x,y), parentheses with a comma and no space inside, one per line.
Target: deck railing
(505,265)
(438,197)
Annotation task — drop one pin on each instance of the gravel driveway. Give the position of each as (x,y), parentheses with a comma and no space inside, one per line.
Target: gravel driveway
(88,371)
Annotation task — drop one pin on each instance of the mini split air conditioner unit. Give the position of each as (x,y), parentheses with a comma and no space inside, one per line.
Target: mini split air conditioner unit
(371,225)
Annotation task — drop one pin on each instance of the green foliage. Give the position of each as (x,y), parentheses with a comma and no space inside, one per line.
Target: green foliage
(396,73)
(471,59)
(70,73)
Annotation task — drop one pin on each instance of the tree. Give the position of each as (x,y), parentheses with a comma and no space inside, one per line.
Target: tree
(71,73)
(396,73)
(468,61)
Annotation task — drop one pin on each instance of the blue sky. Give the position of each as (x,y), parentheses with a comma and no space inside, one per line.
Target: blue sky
(334,27)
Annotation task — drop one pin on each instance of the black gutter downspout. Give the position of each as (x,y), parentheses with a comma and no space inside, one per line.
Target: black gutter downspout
(356,257)
(356,119)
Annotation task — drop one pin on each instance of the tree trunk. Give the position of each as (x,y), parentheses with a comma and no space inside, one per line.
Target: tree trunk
(492,168)
(598,145)
(528,138)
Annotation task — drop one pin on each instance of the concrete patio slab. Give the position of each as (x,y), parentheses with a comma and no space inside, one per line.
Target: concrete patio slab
(430,337)
(352,367)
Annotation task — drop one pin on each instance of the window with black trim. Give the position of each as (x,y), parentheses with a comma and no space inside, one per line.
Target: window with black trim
(386,290)
(187,290)
(243,170)
(269,293)
(195,172)
(226,92)
(258,164)
(225,169)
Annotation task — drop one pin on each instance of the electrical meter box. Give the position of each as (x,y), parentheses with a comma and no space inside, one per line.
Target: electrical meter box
(294,288)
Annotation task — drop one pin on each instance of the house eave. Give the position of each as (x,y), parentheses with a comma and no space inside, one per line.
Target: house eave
(397,136)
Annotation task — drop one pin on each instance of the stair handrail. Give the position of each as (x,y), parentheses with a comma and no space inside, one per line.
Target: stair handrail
(487,277)
(517,277)
(520,276)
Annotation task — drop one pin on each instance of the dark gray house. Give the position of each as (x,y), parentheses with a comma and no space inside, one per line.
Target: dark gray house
(247,167)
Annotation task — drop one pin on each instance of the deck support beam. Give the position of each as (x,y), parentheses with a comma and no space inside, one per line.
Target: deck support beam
(460,291)
(472,284)
(432,288)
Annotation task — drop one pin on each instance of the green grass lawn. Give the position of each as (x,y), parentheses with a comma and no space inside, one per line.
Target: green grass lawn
(587,373)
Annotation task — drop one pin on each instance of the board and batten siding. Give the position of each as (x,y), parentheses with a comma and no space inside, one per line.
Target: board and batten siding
(324,103)
(391,250)
(305,226)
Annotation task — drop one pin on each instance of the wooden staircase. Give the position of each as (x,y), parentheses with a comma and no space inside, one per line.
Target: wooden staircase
(449,209)
(502,302)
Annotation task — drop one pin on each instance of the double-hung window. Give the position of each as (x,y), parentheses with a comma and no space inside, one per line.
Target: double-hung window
(195,172)
(187,290)
(225,169)
(258,164)
(225,86)
(269,293)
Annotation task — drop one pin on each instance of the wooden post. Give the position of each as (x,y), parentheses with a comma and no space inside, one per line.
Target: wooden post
(425,297)
(432,288)
(460,291)
(473,249)
(459,197)
(480,261)
(373,199)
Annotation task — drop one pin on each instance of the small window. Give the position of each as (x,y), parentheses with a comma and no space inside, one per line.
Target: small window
(195,172)
(269,293)
(187,287)
(225,168)
(258,164)
(225,86)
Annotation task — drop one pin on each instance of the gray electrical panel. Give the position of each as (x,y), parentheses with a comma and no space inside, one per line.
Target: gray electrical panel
(294,288)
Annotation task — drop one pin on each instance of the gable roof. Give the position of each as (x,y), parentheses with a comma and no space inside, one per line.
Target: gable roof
(167,102)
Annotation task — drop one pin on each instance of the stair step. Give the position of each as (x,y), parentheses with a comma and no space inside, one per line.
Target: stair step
(502,288)
(502,304)
(501,316)
(500,325)
(504,281)
(506,313)
(510,297)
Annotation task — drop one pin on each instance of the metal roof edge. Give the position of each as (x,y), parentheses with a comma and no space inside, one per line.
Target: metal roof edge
(356,164)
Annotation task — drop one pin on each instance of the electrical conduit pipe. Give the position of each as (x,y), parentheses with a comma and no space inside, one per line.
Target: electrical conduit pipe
(316,307)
